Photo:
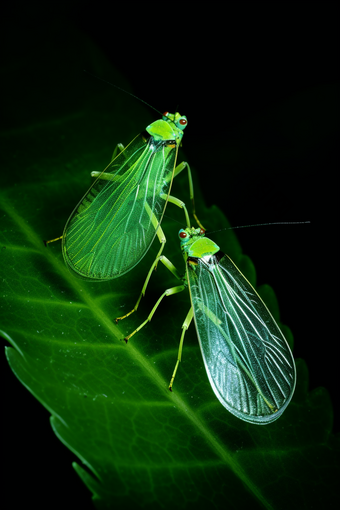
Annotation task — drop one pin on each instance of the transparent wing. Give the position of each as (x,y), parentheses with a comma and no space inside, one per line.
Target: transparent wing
(248,361)
(115,223)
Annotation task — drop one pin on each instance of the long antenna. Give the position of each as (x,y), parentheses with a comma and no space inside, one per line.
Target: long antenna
(274,223)
(123,90)
(262,224)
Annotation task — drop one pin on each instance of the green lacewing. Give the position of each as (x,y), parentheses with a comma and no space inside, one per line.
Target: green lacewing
(247,359)
(115,223)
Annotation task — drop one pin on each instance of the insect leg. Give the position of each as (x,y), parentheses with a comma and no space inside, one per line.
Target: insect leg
(117,150)
(177,171)
(185,326)
(168,292)
(102,175)
(52,240)
(167,264)
(180,204)
(162,240)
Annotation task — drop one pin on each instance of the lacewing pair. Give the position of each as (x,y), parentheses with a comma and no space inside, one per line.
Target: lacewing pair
(248,361)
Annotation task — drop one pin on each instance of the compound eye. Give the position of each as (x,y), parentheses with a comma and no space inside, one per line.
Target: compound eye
(182,234)
(181,123)
(165,114)
(202,231)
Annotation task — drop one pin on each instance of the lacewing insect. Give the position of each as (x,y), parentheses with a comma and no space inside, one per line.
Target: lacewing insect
(115,223)
(248,361)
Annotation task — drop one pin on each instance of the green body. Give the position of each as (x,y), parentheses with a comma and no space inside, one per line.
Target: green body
(248,361)
(114,224)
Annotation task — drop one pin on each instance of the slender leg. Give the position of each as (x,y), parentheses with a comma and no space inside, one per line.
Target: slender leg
(117,150)
(185,326)
(178,170)
(180,204)
(52,240)
(159,258)
(168,265)
(168,292)
(107,176)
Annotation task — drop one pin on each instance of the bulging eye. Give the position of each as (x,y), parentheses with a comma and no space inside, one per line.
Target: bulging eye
(202,231)
(182,234)
(182,123)
(165,114)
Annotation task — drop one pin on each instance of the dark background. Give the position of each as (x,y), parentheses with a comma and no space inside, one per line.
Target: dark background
(258,85)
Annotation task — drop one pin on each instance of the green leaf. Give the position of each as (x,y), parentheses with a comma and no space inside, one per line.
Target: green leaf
(137,443)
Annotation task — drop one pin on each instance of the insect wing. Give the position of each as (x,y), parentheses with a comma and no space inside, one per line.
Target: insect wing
(248,361)
(115,223)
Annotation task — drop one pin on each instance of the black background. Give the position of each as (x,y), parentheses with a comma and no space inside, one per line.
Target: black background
(232,72)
